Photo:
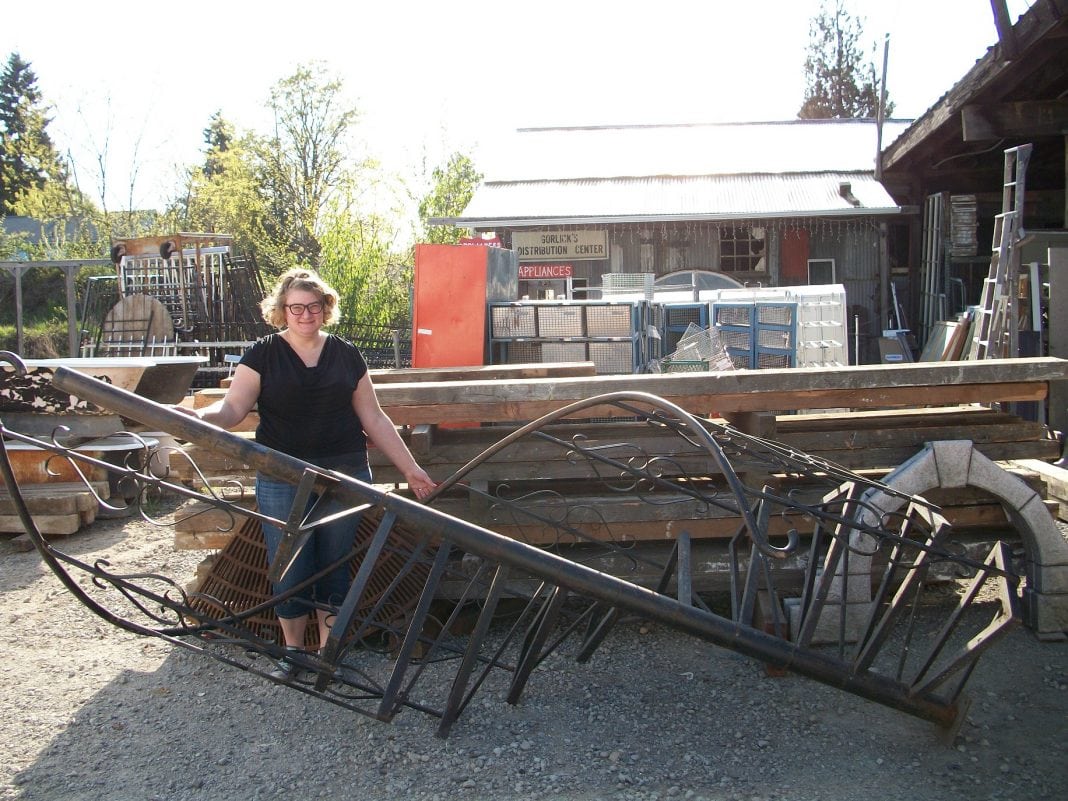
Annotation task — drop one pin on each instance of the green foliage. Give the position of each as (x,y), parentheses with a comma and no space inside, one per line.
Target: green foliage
(453,187)
(28,160)
(12,246)
(840,85)
(47,340)
(304,163)
(219,136)
(360,260)
(225,196)
(44,294)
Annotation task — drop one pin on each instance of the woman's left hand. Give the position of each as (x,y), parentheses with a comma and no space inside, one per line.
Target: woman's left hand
(419,483)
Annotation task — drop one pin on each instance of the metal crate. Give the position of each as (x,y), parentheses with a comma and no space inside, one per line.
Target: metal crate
(740,339)
(776,314)
(559,321)
(516,353)
(768,361)
(512,321)
(613,357)
(683,366)
(733,315)
(563,352)
(611,321)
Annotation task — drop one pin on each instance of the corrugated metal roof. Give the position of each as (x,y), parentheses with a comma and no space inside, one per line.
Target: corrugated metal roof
(793,146)
(704,197)
(682,172)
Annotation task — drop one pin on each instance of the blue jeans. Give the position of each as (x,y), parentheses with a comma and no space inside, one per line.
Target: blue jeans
(328,543)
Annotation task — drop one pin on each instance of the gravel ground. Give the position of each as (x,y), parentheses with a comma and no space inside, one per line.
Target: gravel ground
(91,712)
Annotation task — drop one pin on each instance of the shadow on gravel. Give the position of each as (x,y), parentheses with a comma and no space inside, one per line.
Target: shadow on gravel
(653,716)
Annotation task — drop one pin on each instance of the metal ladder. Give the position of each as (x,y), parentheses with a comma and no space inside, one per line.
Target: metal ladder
(996,331)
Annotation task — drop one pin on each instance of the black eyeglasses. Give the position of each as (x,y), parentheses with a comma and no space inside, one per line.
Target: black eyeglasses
(298,308)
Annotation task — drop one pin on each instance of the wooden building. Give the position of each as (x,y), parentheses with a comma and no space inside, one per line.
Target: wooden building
(768,204)
(951,165)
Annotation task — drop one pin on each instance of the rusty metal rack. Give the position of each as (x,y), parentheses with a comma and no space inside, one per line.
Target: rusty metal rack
(823,586)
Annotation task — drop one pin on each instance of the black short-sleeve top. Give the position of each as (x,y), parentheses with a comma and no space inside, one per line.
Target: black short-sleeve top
(306,411)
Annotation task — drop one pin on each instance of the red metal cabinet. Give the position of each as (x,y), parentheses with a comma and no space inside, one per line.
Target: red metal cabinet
(453,284)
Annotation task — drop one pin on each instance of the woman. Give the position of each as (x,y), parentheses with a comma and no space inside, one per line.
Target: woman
(316,402)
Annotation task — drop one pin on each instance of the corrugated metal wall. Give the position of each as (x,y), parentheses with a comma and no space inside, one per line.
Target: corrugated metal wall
(855,250)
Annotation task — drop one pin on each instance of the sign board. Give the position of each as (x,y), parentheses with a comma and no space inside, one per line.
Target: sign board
(490,242)
(544,271)
(556,245)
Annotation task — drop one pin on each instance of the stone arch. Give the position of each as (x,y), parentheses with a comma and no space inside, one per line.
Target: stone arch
(954,464)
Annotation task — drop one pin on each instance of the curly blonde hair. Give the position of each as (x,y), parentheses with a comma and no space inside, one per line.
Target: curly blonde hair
(273,307)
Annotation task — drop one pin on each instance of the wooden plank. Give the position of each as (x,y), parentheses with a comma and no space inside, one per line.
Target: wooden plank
(66,503)
(872,386)
(489,372)
(1024,118)
(50,525)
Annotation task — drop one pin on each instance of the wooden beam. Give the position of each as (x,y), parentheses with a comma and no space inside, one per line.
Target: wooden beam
(1024,118)
(1032,27)
(487,372)
(1003,22)
(779,390)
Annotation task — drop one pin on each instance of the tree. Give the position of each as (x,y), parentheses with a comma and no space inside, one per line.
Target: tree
(304,163)
(28,159)
(219,137)
(453,187)
(839,84)
(225,195)
(361,260)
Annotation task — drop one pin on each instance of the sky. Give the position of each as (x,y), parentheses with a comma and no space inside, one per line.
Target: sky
(133,85)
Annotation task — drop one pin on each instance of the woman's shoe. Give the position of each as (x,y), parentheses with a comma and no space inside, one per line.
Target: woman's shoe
(284,669)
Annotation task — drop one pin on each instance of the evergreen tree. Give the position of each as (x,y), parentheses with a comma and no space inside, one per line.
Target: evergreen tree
(28,159)
(219,137)
(840,85)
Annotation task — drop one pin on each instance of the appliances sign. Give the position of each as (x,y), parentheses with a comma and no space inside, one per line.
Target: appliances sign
(560,245)
(544,271)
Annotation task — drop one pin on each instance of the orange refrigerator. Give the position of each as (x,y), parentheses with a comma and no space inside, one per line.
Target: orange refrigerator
(452,286)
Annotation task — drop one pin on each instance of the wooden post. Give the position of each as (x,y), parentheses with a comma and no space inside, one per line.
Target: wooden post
(1058,332)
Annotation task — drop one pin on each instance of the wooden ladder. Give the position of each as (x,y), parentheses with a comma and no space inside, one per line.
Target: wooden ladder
(996,330)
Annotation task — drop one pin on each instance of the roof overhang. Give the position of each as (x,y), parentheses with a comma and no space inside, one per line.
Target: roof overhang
(675,199)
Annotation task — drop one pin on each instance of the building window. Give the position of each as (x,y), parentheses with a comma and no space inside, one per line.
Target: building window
(820,271)
(741,249)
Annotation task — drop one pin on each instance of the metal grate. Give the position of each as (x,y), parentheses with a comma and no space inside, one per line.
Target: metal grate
(773,314)
(521,352)
(611,321)
(771,361)
(237,580)
(559,321)
(734,315)
(563,352)
(512,321)
(628,283)
(612,357)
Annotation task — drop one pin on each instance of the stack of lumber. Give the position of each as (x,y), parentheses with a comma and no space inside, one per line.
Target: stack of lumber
(870,442)
(58,509)
(436,409)
(1055,477)
(199,525)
